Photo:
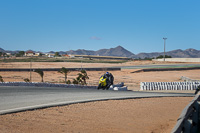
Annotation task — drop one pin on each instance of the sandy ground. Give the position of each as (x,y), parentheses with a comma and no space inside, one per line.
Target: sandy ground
(78,65)
(152,115)
(132,80)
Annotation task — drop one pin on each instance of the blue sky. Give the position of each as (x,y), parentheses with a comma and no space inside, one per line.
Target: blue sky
(62,25)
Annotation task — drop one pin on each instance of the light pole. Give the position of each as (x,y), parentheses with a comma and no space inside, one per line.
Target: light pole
(30,70)
(164,46)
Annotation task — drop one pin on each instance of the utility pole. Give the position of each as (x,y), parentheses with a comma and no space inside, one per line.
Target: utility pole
(30,69)
(164,46)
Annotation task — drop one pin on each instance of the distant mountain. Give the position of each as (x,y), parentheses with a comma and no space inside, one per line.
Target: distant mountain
(122,52)
(2,50)
(8,51)
(81,52)
(188,53)
(118,51)
(147,55)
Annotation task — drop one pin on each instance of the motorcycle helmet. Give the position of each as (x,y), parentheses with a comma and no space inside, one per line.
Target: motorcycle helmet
(107,73)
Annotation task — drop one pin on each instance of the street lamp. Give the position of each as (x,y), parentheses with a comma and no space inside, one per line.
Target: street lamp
(30,70)
(164,46)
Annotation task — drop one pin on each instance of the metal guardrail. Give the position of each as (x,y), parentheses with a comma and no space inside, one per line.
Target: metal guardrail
(189,121)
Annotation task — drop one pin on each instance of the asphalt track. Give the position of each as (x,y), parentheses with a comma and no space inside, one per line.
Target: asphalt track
(160,66)
(18,98)
(111,68)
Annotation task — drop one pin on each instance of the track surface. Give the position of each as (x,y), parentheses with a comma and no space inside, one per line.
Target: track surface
(15,99)
(160,66)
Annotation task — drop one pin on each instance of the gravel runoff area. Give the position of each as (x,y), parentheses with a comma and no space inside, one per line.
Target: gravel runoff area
(148,115)
(136,115)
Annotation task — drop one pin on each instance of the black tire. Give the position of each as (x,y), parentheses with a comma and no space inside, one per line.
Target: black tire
(108,86)
(197,90)
(99,87)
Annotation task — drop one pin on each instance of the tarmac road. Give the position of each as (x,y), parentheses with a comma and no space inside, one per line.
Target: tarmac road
(160,66)
(20,98)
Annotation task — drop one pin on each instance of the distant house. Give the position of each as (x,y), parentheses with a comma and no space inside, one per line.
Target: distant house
(29,53)
(72,56)
(9,54)
(50,55)
(65,55)
(38,54)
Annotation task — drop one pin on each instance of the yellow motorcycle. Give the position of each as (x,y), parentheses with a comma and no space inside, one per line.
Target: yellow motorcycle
(103,83)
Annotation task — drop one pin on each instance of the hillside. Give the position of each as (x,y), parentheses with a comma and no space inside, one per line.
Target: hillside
(122,52)
(188,53)
(118,51)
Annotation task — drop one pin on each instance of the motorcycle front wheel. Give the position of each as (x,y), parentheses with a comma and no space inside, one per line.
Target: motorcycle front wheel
(99,87)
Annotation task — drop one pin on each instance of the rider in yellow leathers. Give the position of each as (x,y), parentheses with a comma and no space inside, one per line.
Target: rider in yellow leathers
(105,81)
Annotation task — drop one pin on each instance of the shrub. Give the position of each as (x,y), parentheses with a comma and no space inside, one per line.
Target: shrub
(68,82)
(82,77)
(75,81)
(26,80)
(161,56)
(1,79)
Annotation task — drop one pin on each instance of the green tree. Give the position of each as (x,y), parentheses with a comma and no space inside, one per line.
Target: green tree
(57,54)
(2,54)
(64,71)
(147,58)
(161,56)
(41,73)
(168,56)
(20,54)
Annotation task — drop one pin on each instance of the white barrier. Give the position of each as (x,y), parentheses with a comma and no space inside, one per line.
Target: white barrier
(179,59)
(118,87)
(169,85)
(39,84)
